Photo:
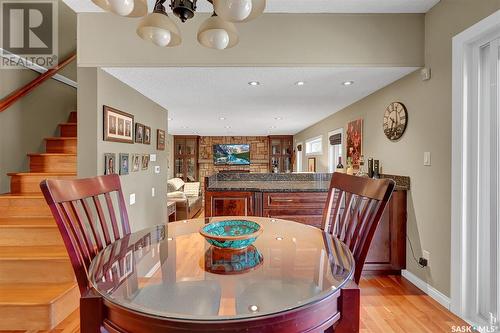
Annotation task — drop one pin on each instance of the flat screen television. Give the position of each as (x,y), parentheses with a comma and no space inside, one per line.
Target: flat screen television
(232,154)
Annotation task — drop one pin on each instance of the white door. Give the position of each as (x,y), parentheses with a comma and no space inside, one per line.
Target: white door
(299,158)
(335,151)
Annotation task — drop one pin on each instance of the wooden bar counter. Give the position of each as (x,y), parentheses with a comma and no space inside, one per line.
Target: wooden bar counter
(301,198)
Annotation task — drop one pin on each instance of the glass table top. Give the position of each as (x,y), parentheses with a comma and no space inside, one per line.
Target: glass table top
(170,271)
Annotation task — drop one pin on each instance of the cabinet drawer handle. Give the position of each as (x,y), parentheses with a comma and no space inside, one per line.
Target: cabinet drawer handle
(282,200)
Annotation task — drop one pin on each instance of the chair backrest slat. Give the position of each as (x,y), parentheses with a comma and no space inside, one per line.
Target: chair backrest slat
(81,219)
(354,208)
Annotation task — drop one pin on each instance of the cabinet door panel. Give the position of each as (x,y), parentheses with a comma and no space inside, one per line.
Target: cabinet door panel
(380,248)
(300,200)
(229,204)
(306,216)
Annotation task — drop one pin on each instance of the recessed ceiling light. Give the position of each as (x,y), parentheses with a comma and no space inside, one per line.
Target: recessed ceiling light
(278,118)
(273,127)
(279,238)
(254,83)
(348,83)
(184,127)
(170,119)
(222,118)
(228,127)
(300,83)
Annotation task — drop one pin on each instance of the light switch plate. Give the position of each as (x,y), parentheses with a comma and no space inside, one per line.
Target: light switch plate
(153,192)
(427,158)
(152,157)
(132,199)
(157,169)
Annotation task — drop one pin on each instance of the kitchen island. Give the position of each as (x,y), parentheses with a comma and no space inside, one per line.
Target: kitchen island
(301,198)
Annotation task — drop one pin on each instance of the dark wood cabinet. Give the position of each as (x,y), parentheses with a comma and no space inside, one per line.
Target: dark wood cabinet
(387,254)
(186,157)
(280,153)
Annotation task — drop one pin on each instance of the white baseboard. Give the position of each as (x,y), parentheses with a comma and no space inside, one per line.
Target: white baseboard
(426,288)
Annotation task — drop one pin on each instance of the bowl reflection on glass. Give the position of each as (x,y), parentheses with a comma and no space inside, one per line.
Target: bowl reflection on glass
(219,261)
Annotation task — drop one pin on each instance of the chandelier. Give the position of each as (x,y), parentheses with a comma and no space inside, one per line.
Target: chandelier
(217,32)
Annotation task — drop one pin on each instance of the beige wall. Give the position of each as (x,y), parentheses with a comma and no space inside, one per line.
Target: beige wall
(97,88)
(36,116)
(429,129)
(271,40)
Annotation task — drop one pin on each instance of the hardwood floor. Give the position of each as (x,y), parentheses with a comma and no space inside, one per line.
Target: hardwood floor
(389,304)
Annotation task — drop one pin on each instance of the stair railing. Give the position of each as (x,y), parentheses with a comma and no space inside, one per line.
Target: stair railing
(23,91)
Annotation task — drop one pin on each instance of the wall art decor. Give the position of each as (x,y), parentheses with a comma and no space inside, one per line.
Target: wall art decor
(117,125)
(109,164)
(160,139)
(145,161)
(136,162)
(124,164)
(354,142)
(311,164)
(139,133)
(147,135)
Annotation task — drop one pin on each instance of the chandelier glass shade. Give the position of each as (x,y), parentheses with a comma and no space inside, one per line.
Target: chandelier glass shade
(159,29)
(128,8)
(218,34)
(239,11)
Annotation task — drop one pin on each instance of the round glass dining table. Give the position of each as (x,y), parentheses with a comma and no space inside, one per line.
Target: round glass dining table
(169,273)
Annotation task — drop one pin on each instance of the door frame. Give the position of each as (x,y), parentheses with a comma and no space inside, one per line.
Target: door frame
(301,154)
(335,131)
(463,171)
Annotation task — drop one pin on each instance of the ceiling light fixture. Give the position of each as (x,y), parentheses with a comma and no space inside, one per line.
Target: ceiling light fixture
(129,8)
(170,119)
(300,83)
(217,32)
(254,83)
(278,118)
(222,118)
(348,83)
(228,127)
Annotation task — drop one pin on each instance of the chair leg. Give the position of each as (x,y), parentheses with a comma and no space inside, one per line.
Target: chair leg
(91,312)
(349,307)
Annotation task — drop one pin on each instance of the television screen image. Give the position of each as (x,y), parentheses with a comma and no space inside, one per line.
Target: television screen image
(232,154)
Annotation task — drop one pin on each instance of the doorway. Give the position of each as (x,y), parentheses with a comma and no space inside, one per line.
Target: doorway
(475,262)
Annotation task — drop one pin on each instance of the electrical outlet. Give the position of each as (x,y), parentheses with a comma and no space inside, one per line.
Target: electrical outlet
(423,262)
(153,192)
(157,169)
(152,158)
(132,199)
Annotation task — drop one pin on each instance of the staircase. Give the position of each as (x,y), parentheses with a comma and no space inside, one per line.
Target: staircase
(37,285)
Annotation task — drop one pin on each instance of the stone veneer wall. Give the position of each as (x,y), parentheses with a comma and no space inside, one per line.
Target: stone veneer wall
(259,154)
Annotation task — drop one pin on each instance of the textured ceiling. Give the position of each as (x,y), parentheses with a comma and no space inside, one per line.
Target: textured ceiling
(307,6)
(198,97)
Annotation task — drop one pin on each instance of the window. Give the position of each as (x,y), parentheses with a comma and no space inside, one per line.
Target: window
(298,162)
(314,146)
(335,149)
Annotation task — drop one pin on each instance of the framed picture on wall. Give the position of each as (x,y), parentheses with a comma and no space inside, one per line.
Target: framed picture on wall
(160,139)
(136,162)
(147,135)
(311,164)
(109,164)
(139,133)
(117,125)
(124,164)
(145,161)
(354,142)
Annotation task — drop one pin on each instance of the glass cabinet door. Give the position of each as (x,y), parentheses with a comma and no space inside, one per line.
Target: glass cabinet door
(191,169)
(180,147)
(276,164)
(179,168)
(275,146)
(287,164)
(190,147)
(287,147)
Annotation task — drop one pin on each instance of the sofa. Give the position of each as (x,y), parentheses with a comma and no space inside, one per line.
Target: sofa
(187,198)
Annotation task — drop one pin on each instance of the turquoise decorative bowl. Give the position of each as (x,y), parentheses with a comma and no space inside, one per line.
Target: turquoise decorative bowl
(231,234)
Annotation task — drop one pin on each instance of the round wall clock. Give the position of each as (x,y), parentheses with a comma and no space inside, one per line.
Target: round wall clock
(395,121)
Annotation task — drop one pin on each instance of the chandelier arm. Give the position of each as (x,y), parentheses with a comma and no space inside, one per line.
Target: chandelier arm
(159,7)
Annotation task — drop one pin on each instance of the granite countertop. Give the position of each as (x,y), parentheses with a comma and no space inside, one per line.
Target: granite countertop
(284,183)
(270,186)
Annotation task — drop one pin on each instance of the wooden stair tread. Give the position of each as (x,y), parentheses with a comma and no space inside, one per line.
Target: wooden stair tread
(61,138)
(21,196)
(38,174)
(50,154)
(33,253)
(33,293)
(27,222)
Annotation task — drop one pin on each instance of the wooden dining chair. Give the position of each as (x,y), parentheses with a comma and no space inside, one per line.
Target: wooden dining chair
(353,209)
(86,212)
